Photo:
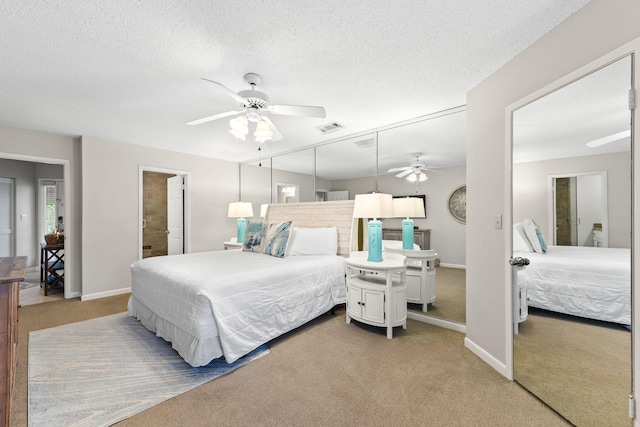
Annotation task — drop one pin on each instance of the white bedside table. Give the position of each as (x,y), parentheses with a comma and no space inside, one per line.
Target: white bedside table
(421,275)
(232,245)
(376,291)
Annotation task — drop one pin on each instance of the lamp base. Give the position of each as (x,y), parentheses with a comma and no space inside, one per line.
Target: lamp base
(242,228)
(407,234)
(375,241)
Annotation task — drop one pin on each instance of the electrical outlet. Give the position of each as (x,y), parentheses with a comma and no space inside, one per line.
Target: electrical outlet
(498,222)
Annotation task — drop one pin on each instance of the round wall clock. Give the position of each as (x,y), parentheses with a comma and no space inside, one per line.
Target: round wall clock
(458,204)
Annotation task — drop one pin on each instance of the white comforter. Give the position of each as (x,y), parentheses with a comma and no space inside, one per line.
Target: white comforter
(227,303)
(582,281)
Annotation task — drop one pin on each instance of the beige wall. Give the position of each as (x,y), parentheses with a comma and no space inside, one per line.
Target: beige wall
(600,27)
(110,207)
(530,191)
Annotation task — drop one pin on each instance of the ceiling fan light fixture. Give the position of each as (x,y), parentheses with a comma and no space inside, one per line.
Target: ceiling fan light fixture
(418,176)
(239,127)
(263,132)
(239,123)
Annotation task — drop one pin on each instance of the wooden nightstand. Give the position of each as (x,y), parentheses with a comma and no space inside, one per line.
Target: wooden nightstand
(421,237)
(376,291)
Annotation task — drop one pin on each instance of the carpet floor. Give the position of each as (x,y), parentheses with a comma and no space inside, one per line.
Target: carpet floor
(100,371)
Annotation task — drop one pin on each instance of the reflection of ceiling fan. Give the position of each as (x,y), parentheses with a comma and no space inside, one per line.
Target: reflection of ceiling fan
(414,172)
(253,105)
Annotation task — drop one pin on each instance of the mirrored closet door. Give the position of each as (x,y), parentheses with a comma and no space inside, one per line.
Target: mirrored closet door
(572,346)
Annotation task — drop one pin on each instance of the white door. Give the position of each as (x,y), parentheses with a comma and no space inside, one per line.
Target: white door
(6,217)
(175,215)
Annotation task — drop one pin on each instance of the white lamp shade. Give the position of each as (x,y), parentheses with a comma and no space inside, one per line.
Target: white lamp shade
(374,205)
(408,207)
(263,210)
(240,123)
(240,210)
(263,132)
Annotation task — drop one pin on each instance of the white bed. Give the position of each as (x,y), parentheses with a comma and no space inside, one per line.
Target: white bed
(227,303)
(588,282)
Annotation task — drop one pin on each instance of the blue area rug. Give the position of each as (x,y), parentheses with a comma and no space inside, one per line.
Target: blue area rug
(101,371)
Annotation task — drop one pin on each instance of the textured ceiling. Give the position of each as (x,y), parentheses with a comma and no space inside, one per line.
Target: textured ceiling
(131,71)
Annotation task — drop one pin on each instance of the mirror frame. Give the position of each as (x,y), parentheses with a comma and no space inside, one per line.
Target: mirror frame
(625,50)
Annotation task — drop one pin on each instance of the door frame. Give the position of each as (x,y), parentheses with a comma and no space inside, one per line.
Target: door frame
(69,227)
(187,204)
(630,48)
(12,215)
(604,197)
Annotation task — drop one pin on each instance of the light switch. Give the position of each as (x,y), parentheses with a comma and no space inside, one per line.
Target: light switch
(23,217)
(498,222)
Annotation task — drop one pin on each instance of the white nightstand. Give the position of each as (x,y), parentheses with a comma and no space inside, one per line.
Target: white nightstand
(232,245)
(376,291)
(421,275)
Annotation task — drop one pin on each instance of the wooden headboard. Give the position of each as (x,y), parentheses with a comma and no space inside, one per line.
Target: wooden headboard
(337,214)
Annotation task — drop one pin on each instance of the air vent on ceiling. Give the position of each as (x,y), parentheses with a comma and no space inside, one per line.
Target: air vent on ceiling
(329,127)
(365,143)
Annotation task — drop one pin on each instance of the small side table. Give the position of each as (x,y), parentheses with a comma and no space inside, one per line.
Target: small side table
(51,266)
(376,291)
(421,275)
(232,245)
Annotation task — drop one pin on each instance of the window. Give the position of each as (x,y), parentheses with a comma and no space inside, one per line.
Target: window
(50,206)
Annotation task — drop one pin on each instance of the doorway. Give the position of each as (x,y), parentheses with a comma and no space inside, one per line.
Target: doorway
(6,217)
(27,171)
(163,212)
(579,209)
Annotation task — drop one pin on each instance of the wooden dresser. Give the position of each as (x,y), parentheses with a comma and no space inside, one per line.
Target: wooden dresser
(11,274)
(421,237)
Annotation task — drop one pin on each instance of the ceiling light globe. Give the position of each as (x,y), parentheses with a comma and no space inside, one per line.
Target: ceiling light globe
(262,133)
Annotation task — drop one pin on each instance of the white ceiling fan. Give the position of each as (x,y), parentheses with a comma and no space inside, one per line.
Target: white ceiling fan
(413,172)
(253,104)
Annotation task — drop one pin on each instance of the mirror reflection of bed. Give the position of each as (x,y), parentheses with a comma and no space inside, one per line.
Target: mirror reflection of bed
(573,347)
(359,164)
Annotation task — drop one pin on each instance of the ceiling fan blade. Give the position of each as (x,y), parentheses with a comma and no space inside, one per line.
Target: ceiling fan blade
(211,118)
(397,169)
(228,91)
(299,110)
(277,136)
(405,173)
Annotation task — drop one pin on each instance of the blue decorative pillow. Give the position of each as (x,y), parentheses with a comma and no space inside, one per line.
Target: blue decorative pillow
(277,239)
(254,237)
(543,243)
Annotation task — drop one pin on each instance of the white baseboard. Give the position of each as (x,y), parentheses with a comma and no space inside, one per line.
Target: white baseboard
(105,294)
(447,324)
(446,264)
(489,359)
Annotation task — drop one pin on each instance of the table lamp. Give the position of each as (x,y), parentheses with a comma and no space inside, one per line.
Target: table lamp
(240,210)
(374,206)
(408,207)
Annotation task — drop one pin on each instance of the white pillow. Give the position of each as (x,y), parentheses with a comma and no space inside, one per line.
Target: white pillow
(529,227)
(520,240)
(314,241)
